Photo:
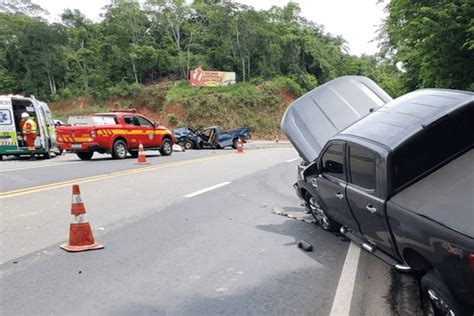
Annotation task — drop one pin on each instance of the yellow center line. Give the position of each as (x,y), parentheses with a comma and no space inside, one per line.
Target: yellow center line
(57,185)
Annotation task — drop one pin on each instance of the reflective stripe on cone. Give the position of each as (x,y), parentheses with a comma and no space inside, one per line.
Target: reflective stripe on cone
(141,156)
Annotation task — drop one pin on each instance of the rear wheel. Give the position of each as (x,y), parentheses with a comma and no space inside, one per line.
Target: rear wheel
(166,147)
(319,214)
(234,143)
(119,149)
(436,298)
(188,145)
(86,155)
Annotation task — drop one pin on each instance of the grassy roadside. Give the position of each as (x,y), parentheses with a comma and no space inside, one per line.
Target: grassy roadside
(258,105)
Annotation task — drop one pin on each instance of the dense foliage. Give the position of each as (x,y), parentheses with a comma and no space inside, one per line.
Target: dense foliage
(138,43)
(434,39)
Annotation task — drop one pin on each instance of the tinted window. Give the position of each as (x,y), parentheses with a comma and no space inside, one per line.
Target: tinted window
(131,120)
(362,166)
(144,122)
(435,145)
(333,161)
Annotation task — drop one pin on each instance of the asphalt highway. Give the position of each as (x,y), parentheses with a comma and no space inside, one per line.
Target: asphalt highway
(191,234)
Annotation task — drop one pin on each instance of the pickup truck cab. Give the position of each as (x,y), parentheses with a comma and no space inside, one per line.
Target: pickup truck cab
(397,180)
(117,133)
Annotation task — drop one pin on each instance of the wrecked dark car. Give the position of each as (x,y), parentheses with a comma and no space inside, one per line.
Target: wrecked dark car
(394,176)
(211,137)
(186,138)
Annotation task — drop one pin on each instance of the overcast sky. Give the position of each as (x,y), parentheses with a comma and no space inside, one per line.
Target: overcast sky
(356,21)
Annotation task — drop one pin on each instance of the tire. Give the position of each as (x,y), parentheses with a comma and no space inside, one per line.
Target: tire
(133,153)
(320,215)
(436,299)
(119,149)
(85,155)
(166,147)
(234,143)
(188,145)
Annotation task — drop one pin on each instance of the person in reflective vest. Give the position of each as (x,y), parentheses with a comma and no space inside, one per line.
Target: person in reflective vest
(30,132)
(24,117)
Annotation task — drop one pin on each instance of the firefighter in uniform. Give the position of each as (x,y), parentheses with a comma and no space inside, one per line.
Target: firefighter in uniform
(30,132)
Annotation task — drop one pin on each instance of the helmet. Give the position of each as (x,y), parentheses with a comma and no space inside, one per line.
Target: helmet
(25,115)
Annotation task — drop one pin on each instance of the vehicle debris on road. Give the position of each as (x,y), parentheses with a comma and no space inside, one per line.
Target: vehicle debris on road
(306,246)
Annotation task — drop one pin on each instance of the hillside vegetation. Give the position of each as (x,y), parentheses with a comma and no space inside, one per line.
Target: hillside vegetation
(259,106)
(140,51)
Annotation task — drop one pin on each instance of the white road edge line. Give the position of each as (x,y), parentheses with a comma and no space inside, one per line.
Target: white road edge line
(341,306)
(291,160)
(40,166)
(207,189)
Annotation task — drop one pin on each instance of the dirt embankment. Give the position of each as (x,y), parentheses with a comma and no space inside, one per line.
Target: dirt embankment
(258,107)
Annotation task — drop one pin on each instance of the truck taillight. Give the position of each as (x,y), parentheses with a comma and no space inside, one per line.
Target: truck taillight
(471,260)
(93,134)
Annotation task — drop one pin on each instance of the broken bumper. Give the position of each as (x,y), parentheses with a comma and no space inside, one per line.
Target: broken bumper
(298,191)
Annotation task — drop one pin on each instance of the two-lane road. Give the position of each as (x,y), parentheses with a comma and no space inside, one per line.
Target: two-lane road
(190,234)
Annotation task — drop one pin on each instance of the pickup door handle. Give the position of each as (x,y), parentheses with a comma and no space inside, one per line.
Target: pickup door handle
(371,209)
(339,195)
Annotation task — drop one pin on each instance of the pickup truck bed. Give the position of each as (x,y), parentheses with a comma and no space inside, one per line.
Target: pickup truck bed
(446,196)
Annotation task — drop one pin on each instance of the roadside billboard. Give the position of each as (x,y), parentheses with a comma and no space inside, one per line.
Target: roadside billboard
(204,78)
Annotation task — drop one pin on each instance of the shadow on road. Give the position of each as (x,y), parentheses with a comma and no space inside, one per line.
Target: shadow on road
(284,294)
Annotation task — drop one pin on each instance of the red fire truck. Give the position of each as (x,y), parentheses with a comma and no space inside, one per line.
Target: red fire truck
(116,133)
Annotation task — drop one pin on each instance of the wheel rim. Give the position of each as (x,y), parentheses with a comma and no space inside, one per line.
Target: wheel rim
(121,150)
(187,145)
(318,213)
(437,305)
(167,147)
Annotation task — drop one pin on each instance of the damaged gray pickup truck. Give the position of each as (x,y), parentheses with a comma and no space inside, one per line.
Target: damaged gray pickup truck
(394,176)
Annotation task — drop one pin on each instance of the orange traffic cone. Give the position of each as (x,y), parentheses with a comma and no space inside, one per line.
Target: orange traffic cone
(240,146)
(80,232)
(141,156)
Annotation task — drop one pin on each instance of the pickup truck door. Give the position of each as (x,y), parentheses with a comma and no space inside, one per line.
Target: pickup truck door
(331,183)
(363,194)
(148,136)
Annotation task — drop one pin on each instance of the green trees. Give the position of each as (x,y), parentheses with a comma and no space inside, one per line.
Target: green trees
(31,54)
(434,40)
(140,42)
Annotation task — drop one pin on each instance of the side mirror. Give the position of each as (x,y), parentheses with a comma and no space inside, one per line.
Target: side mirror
(311,170)
(156,124)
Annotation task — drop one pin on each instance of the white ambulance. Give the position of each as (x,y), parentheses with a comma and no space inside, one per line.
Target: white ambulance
(11,138)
